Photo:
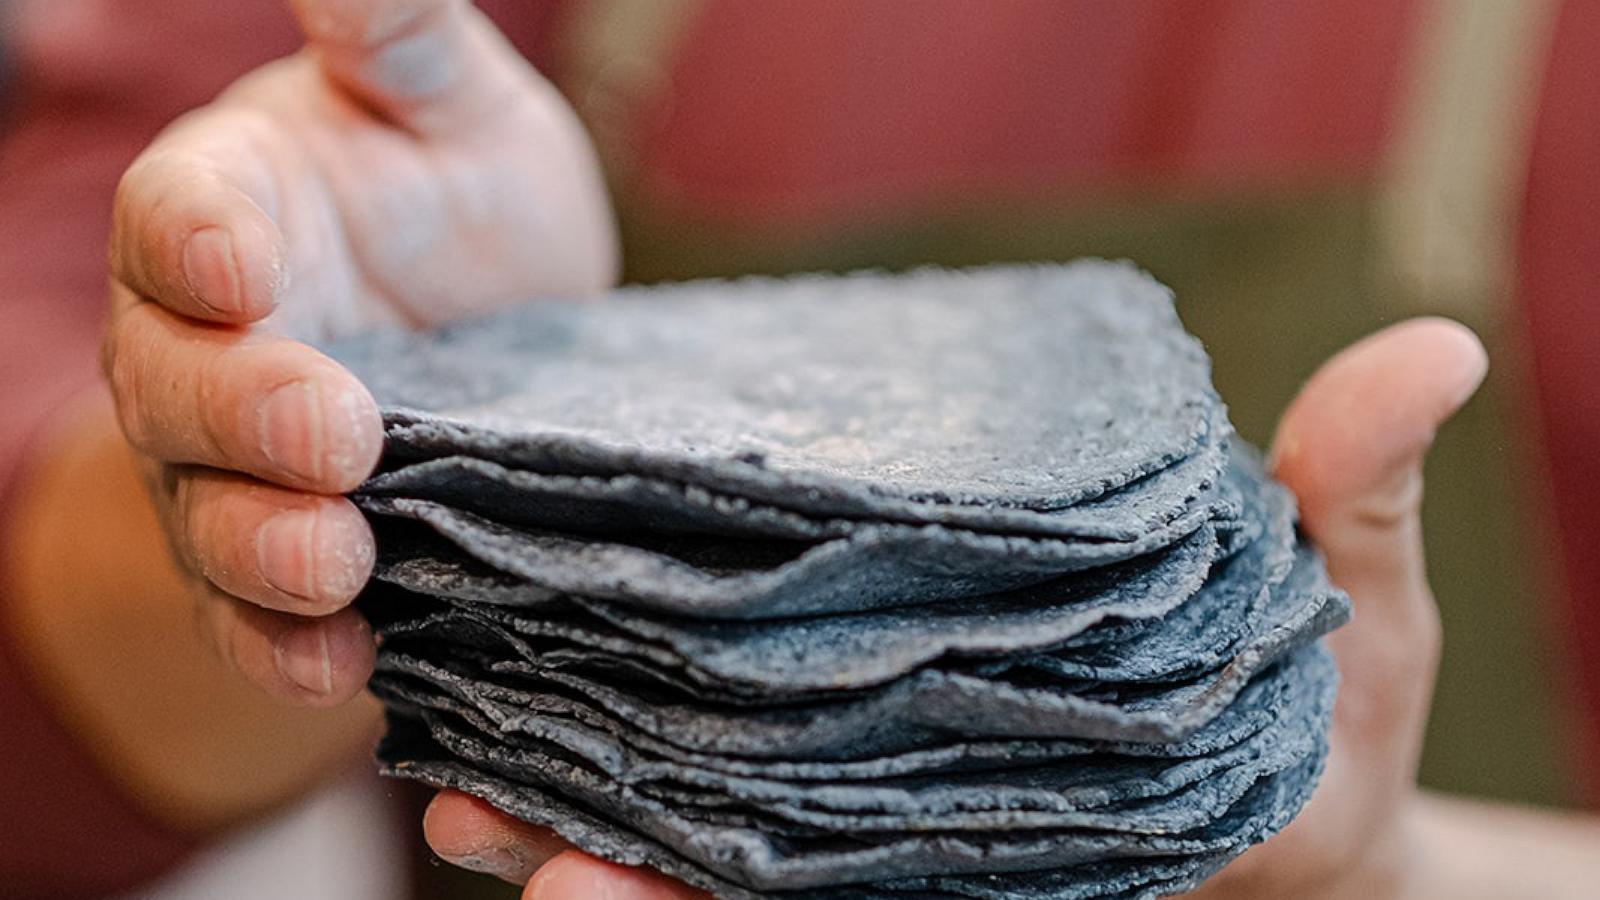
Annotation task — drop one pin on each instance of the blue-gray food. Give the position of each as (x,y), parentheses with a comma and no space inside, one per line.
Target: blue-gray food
(946,584)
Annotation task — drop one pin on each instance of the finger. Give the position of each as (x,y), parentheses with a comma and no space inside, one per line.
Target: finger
(428,65)
(1351,447)
(245,401)
(578,876)
(312,662)
(191,226)
(472,834)
(285,550)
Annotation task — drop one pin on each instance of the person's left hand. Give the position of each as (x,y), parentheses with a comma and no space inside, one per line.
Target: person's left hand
(1351,447)
(407,167)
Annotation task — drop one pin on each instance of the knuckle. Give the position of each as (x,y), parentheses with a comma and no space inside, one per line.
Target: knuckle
(1394,506)
(210,406)
(131,181)
(133,204)
(147,226)
(213,622)
(168,485)
(169,488)
(108,352)
(124,376)
(190,517)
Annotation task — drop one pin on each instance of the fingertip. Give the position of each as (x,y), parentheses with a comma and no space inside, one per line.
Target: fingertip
(233,274)
(1374,407)
(189,234)
(438,821)
(353,650)
(318,555)
(354,459)
(250,402)
(472,834)
(571,875)
(1456,350)
(575,875)
(434,65)
(325,662)
(453,822)
(321,430)
(263,259)
(568,875)
(303,662)
(349,551)
(285,550)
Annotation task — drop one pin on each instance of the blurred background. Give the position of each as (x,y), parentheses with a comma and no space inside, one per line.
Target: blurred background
(1300,175)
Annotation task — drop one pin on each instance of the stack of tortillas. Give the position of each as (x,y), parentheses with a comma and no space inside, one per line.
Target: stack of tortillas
(949,584)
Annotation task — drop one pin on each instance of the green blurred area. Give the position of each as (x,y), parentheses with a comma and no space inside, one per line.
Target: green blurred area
(1273,287)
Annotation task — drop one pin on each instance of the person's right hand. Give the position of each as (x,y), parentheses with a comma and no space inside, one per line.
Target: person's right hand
(407,167)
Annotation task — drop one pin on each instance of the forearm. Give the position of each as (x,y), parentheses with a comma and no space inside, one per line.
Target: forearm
(106,625)
(1468,850)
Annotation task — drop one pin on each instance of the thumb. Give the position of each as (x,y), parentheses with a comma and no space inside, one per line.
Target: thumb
(1351,448)
(432,66)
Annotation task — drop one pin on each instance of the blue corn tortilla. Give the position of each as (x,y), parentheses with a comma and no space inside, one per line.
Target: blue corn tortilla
(762,860)
(898,715)
(753,863)
(875,567)
(630,503)
(523,718)
(918,396)
(845,651)
(1100,789)
(937,585)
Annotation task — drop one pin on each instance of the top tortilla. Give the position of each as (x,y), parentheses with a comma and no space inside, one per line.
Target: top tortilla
(948,397)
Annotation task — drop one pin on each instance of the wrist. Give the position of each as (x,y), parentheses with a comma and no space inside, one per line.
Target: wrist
(1468,849)
(1398,861)
(1387,866)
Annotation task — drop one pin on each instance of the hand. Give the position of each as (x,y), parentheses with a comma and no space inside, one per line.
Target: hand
(406,167)
(1351,447)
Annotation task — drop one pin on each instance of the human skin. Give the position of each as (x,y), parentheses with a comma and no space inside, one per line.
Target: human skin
(409,167)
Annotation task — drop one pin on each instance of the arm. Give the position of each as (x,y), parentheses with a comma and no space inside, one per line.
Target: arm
(76,823)
(1483,851)
(103,620)
(221,678)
